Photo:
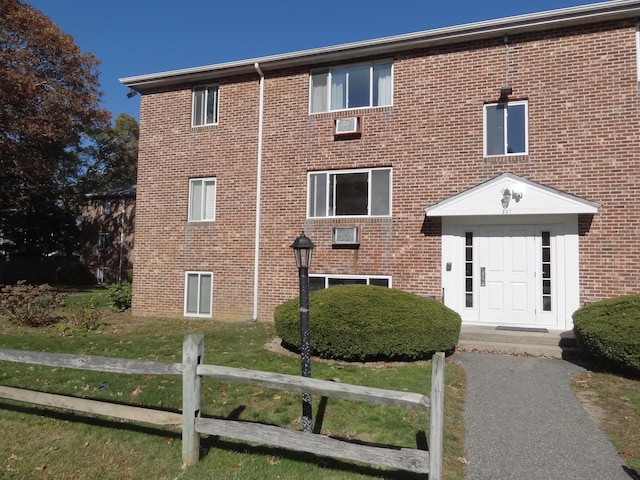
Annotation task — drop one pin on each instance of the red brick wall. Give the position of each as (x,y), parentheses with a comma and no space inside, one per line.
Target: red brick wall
(581,85)
(118,255)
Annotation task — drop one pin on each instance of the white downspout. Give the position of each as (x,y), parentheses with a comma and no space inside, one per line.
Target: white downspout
(256,260)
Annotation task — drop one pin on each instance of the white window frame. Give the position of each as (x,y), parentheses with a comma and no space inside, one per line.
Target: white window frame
(101,275)
(505,136)
(201,120)
(328,71)
(103,241)
(638,52)
(207,213)
(368,278)
(327,199)
(105,207)
(186,293)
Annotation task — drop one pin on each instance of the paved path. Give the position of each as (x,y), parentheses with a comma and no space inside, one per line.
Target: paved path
(524,422)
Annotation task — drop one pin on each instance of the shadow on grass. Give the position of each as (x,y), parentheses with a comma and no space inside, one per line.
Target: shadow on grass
(89,419)
(207,443)
(599,365)
(324,463)
(633,474)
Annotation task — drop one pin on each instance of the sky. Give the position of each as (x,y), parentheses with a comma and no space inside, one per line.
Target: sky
(137,37)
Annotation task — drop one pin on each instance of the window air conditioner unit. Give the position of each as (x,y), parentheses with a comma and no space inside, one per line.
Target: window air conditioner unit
(347,126)
(345,236)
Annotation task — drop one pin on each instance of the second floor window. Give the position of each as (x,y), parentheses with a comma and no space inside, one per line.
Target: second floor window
(105,207)
(363,192)
(205,105)
(355,86)
(505,129)
(202,199)
(103,241)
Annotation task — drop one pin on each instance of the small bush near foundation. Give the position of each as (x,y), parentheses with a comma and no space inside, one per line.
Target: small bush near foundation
(609,332)
(31,305)
(119,295)
(361,322)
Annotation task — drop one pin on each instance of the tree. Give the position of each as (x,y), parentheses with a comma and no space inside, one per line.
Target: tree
(112,156)
(49,102)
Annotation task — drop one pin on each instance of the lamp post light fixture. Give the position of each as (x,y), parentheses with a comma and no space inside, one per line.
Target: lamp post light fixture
(303,248)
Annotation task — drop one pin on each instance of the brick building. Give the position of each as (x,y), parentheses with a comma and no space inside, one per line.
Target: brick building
(493,166)
(107,220)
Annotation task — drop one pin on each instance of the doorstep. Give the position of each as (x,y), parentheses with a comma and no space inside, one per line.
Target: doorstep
(534,342)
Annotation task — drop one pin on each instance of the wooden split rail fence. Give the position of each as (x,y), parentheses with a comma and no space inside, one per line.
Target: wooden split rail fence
(193,370)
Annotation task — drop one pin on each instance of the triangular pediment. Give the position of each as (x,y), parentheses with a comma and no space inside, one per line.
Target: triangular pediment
(510,194)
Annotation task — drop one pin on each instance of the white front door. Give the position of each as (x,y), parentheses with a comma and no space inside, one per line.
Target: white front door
(507,274)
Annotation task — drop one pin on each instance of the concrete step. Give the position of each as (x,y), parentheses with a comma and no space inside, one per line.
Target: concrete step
(535,342)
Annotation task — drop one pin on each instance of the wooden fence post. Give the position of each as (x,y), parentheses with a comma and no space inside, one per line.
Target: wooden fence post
(192,356)
(436,423)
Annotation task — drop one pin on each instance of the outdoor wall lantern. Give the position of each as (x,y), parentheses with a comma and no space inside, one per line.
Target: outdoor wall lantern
(303,248)
(505,92)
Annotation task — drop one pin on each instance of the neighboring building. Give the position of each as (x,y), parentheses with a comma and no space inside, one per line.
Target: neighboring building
(107,232)
(493,166)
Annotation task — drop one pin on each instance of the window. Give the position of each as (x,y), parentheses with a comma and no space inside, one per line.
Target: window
(468,269)
(105,207)
(365,192)
(205,105)
(103,240)
(355,86)
(505,129)
(202,200)
(318,282)
(638,51)
(101,275)
(197,294)
(546,272)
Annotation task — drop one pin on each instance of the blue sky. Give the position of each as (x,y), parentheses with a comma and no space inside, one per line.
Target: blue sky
(135,37)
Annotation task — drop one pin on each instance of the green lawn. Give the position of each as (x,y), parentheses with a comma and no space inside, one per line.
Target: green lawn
(43,442)
(47,443)
(615,403)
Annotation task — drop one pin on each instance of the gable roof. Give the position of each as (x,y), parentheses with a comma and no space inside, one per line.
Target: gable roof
(585,14)
(123,191)
(508,192)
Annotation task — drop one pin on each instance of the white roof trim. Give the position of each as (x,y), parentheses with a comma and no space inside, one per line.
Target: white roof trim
(510,194)
(596,12)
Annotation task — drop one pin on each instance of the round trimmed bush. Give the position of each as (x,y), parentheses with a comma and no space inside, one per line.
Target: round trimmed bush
(609,332)
(363,322)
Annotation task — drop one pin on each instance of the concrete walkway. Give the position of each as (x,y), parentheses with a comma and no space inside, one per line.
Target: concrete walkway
(524,422)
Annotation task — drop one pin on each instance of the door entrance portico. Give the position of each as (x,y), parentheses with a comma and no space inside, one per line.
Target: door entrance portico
(510,253)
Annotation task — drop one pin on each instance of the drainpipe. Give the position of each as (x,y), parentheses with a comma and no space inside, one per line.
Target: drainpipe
(256,260)
(121,241)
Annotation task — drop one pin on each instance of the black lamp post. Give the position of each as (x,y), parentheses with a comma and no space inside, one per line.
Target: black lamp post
(303,248)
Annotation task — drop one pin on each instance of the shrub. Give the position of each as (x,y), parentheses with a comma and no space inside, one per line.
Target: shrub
(31,305)
(119,295)
(83,318)
(75,273)
(609,332)
(360,322)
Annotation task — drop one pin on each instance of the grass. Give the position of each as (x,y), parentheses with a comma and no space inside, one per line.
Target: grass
(63,444)
(614,403)
(96,296)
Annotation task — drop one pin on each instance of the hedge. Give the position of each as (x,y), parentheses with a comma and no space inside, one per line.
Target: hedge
(361,322)
(609,331)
